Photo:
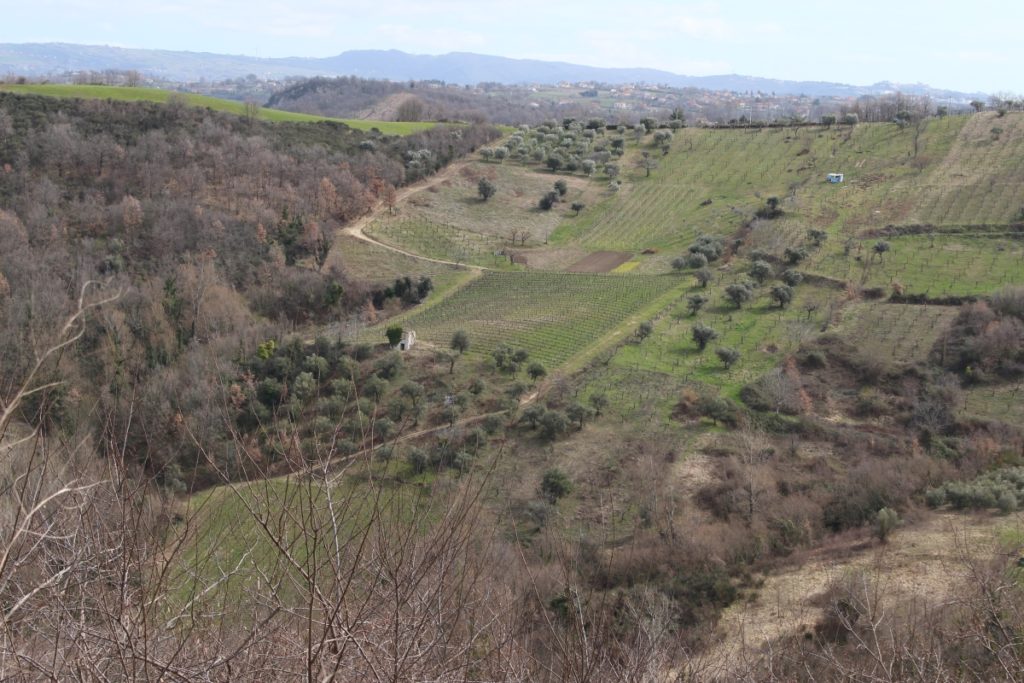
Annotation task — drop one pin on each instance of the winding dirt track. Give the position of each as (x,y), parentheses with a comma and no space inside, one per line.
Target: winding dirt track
(356,229)
(412,436)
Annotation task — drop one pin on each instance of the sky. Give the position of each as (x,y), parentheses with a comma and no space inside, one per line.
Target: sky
(967,46)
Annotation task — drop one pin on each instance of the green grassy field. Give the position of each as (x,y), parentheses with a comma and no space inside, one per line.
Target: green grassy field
(513,207)
(449,221)
(370,263)
(110,92)
(226,548)
(554,316)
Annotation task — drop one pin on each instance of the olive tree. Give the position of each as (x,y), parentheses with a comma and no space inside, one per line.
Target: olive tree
(782,294)
(695,302)
(486,189)
(460,341)
(578,413)
(394,334)
(727,355)
(792,277)
(702,334)
(704,276)
(739,293)
(536,371)
(761,271)
(881,246)
(554,485)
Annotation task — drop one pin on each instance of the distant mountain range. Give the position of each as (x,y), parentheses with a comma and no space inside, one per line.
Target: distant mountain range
(49,59)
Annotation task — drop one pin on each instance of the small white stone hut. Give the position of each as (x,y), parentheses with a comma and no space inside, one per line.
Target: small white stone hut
(408,339)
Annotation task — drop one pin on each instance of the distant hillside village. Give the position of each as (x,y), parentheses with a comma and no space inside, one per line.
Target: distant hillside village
(352,97)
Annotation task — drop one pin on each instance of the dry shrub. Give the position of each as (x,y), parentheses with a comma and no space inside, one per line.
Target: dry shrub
(1009,301)
(687,404)
(871,629)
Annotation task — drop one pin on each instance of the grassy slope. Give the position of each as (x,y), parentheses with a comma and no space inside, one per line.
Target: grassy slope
(229,106)
(370,263)
(894,175)
(225,537)
(904,333)
(1002,402)
(737,169)
(442,241)
(514,205)
(449,221)
(943,266)
(761,331)
(882,187)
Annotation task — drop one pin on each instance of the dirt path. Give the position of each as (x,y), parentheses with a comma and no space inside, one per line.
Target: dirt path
(600,262)
(412,436)
(357,228)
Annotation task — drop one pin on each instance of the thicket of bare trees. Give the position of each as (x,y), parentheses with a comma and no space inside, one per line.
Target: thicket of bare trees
(217,231)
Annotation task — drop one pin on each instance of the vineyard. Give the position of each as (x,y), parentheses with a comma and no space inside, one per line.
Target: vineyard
(937,266)
(737,169)
(1002,402)
(441,241)
(979,181)
(941,170)
(553,316)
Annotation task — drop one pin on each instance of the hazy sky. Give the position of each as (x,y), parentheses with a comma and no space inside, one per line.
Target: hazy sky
(972,45)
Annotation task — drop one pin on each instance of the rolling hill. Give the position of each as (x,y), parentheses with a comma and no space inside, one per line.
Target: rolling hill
(107,92)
